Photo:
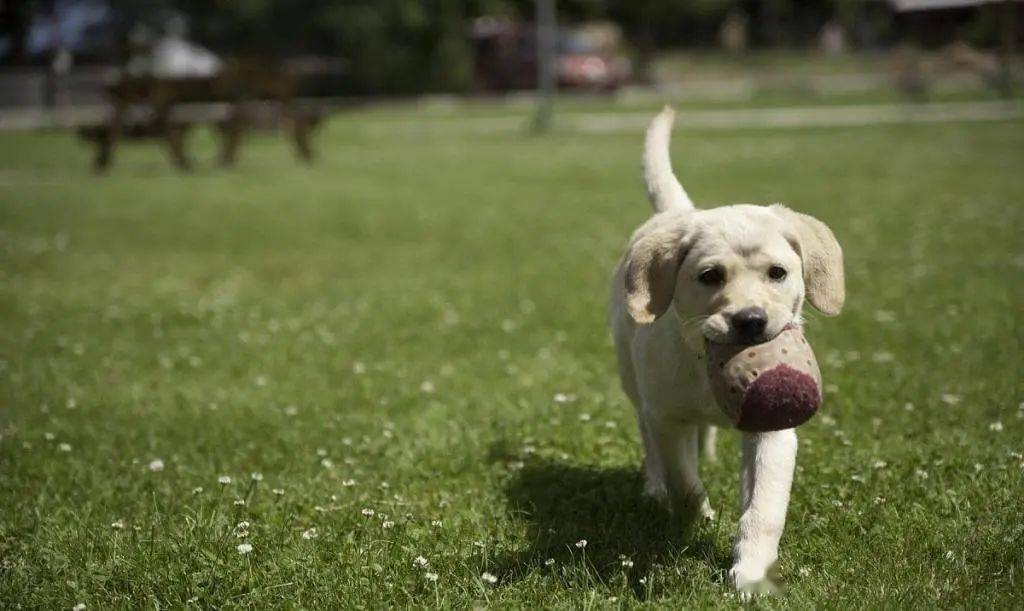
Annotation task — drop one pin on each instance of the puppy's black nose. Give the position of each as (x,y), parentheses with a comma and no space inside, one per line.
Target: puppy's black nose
(749,323)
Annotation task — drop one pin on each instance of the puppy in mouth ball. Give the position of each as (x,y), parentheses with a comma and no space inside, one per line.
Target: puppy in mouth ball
(706,318)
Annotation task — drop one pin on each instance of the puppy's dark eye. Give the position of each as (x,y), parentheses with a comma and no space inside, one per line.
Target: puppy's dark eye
(776,272)
(712,277)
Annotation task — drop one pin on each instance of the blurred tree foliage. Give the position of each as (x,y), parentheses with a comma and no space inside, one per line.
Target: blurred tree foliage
(405,46)
(400,46)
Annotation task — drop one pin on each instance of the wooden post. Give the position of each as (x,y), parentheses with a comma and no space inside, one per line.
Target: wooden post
(1007,32)
(546,56)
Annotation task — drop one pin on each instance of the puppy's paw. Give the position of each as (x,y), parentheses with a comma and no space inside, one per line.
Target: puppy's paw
(754,579)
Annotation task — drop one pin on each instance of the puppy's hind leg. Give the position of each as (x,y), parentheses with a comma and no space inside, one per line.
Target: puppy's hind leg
(708,441)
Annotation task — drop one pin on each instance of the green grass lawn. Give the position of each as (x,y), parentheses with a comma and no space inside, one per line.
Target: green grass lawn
(407,340)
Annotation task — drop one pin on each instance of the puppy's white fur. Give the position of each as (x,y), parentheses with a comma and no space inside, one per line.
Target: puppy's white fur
(663,314)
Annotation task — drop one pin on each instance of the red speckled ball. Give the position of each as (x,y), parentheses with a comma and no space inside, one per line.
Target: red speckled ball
(766,387)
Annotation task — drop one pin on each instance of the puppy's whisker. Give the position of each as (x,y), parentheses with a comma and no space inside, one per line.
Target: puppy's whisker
(693,320)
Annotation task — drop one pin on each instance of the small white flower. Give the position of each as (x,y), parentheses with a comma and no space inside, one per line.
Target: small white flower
(949,398)
(489,578)
(436,523)
(561,397)
(358,368)
(420,561)
(64,447)
(239,502)
(387,524)
(430,576)
(309,533)
(879,500)
(584,417)
(260,381)
(256,476)
(117,524)
(549,562)
(627,563)
(278,491)
(804,571)
(244,548)
(321,452)
(908,407)
(156,465)
(883,357)
(224,480)
(291,410)
(427,386)
(49,436)
(349,482)
(368,512)
(197,490)
(318,509)
(78,607)
(879,464)
(857,478)
(326,463)
(950,555)
(581,543)
(921,473)
(996,426)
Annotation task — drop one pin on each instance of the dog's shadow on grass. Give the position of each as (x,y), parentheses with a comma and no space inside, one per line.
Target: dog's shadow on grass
(625,531)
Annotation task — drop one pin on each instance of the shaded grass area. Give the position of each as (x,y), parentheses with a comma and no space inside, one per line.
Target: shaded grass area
(414,326)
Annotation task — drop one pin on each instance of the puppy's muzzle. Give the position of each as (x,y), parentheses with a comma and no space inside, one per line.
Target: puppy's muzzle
(748,325)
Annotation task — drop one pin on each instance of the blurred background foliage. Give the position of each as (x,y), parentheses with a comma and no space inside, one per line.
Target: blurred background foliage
(406,46)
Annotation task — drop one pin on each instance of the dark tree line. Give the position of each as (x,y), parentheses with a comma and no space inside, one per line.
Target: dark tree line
(400,46)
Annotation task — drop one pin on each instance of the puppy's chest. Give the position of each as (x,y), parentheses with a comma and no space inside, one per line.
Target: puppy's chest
(682,390)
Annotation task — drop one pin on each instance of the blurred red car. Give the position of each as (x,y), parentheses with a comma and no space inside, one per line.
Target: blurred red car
(505,54)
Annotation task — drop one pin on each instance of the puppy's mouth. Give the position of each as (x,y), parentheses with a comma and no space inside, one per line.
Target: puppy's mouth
(729,336)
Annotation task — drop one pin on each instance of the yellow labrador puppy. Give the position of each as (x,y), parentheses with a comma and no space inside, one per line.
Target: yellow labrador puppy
(734,274)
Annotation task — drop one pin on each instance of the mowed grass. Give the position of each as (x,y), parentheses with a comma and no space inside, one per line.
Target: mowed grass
(415,327)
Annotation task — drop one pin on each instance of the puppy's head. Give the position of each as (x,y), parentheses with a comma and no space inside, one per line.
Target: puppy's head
(736,274)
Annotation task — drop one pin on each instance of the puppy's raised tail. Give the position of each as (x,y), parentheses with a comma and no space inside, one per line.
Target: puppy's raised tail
(663,188)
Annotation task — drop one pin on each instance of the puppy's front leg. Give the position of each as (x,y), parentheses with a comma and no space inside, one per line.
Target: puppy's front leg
(677,453)
(766,477)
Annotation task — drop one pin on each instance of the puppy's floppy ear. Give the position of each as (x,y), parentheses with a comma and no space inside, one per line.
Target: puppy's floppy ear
(822,260)
(652,262)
